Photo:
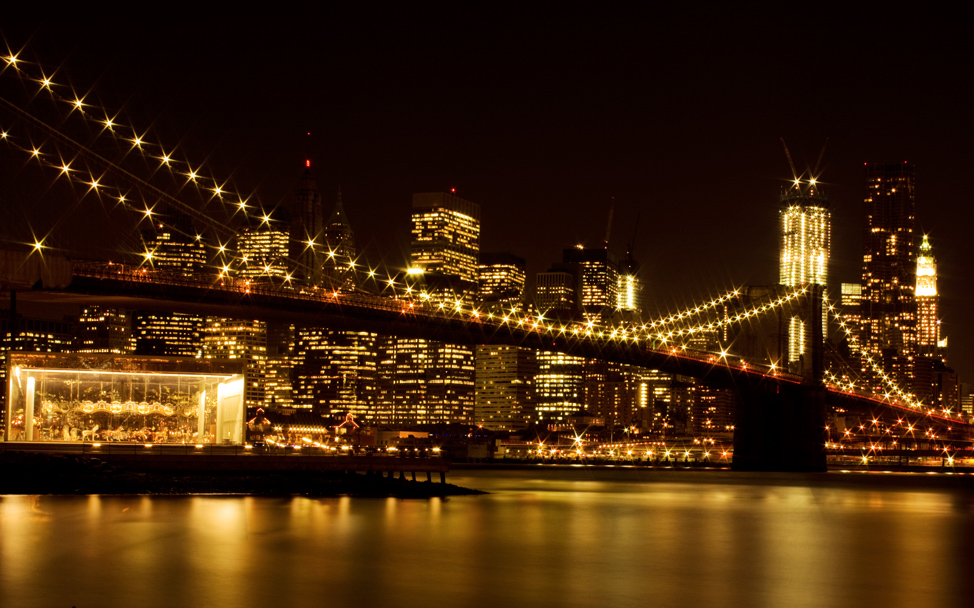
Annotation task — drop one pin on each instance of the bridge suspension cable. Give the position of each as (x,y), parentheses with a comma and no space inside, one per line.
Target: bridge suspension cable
(732,319)
(136,140)
(887,380)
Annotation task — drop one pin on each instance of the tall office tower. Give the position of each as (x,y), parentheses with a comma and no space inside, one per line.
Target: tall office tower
(174,246)
(263,251)
(434,381)
(928,325)
(385,385)
(888,305)
(240,339)
(339,252)
(424,382)
(446,235)
(277,370)
(334,372)
(612,391)
(504,397)
(850,298)
(555,293)
(500,283)
(805,242)
(558,387)
(307,225)
(629,291)
(167,334)
(596,280)
(104,330)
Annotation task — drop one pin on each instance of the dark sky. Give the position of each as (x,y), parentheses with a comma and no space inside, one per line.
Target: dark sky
(543,114)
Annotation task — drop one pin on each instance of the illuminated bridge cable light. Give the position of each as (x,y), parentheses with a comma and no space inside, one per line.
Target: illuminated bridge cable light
(92,183)
(908,399)
(128,134)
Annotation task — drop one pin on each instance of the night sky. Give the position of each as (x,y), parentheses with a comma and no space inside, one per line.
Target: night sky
(543,115)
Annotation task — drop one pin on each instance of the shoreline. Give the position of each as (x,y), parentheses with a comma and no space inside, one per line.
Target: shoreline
(29,473)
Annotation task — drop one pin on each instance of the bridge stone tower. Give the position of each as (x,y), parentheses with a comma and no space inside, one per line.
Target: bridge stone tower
(779,425)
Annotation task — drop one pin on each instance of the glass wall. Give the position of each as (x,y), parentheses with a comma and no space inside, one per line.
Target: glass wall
(104,405)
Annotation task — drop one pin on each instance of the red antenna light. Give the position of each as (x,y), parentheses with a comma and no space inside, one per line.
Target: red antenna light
(453,190)
(307,163)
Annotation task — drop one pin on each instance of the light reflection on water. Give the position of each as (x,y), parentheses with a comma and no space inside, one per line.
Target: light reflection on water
(676,539)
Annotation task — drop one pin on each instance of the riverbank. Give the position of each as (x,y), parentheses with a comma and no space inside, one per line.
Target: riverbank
(43,473)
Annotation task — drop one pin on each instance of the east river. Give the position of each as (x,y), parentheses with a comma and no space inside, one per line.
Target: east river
(568,537)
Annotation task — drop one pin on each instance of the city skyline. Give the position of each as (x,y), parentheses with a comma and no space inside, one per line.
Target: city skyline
(682,137)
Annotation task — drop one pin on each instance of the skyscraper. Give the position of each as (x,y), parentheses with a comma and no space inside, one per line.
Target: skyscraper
(805,242)
(559,387)
(424,382)
(174,246)
(445,235)
(505,387)
(888,304)
(339,248)
(104,330)
(307,224)
(629,292)
(168,334)
(264,250)
(334,372)
(242,339)
(928,300)
(500,282)
(434,381)
(596,272)
(555,292)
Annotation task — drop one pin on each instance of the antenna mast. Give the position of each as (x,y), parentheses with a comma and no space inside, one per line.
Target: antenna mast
(608,226)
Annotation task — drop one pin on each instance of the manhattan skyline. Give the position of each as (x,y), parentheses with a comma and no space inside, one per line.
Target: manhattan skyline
(544,119)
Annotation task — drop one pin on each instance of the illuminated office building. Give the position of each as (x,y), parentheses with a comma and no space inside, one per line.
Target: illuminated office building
(424,382)
(167,334)
(629,290)
(596,273)
(307,225)
(434,381)
(559,387)
(241,339)
(263,252)
(928,324)
(555,292)
(174,246)
(445,235)
(628,293)
(614,392)
(277,370)
(334,372)
(713,410)
(805,222)
(500,282)
(888,324)
(104,330)
(850,297)
(504,397)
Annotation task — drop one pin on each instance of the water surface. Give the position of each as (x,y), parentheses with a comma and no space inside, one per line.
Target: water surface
(541,538)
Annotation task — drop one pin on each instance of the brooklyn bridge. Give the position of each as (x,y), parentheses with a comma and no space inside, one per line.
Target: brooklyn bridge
(781,421)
